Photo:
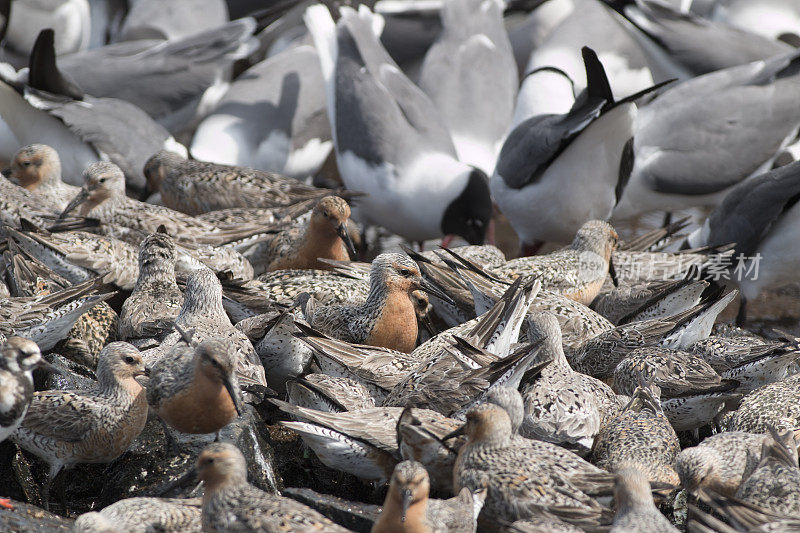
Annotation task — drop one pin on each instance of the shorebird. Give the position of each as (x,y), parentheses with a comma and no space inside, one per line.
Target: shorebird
(578,271)
(323,236)
(272,119)
(636,511)
(390,140)
(230,502)
(195,390)
(96,425)
(524,478)
(37,168)
(196,187)
(103,197)
(751,361)
(387,318)
(692,393)
(775,482)
(48,318)
(329,393)
(16,203)
(78,255)
(156,299)
(563,406)
(776,405)
(720,462)
(143,515)
(408,508)
(204,317)
(640,435)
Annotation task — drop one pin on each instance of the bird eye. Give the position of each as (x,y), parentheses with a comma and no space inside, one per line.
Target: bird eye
(405,272)
(129,359)
(102,180)
(26,163)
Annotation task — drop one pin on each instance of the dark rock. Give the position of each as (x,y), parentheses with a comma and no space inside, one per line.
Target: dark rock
(149,468)
(26,518)
(352,515)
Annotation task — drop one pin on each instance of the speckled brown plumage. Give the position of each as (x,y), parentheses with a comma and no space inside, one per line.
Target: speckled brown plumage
(775,483)
(195,187)
(144,515)
(776,405)
(640,435)
(230,503)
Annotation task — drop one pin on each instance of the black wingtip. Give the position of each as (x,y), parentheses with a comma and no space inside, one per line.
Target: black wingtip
(43,72)
(597,84)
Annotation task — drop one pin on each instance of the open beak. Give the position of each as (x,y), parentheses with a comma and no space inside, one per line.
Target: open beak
(612,271)
(81,197)
(433,290)
(50,367)
(341,231)
(406,503)
(235,396)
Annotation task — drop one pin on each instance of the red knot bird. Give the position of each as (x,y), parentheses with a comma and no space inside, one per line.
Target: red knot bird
(156,299)
(204,317)
(720,462)
(230,502)
(640,435)
(103,197)
(775,483)
(195,390)
(96,425)
(776,405)
(324,236)
(37,168)
(525,478)
(563,406)
(388,317)
(196,187)
(408,508)
(143,515)
(692,393)
(636,511)
(578,271)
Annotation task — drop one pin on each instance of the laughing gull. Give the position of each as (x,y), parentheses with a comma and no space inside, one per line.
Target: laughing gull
(701,137)
(68,18)
(51,110)
(557,171)
(762,216)
(593,24)
(529,34)
(173,81)
(273,118)
(471,67)
(156,19)
(390,140)
(776,19)
(699,45)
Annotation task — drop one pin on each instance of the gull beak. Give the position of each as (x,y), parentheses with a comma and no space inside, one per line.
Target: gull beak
(431,289)
(43,363)
(406,503)
(341,231)
(612,271)
(81,197)
(235,395)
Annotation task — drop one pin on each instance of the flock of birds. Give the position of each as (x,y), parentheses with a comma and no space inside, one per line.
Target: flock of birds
(591,388)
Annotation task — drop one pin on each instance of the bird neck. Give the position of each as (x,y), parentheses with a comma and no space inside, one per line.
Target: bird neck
(390,519)
(205,303)
(156,273)
(321,240)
